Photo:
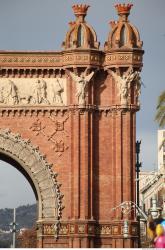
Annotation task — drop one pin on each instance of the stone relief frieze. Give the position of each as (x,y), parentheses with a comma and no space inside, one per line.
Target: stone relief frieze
(32,91)
(97,229)
(57,136)
(103,229)
(48,229)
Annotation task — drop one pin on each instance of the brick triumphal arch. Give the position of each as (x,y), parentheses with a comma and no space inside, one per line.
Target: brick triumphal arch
(68,123)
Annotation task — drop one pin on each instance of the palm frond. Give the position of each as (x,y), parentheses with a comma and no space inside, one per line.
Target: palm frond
(161,99)
(160,112)
(162,144)
(160,116)
(162,122)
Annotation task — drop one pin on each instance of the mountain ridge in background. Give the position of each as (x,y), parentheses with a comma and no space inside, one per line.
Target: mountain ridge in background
(25,217)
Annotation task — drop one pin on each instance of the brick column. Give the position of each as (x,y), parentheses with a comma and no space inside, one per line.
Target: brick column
(119,163)
(82,175)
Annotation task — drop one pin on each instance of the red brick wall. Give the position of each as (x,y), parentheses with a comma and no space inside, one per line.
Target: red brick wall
(97,167)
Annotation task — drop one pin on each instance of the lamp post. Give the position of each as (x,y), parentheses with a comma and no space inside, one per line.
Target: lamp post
(13,227)
(137,170)
(125,229)
(126,207)
(155,211)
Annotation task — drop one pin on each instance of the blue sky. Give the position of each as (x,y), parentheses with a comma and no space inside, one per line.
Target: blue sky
(42,25)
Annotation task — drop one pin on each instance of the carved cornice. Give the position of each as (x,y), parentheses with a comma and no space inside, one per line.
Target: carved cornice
(120,108)
(128,58)
(30,59)
(32,111)
(83,58)
(55,110)
(66,59)
(51,60)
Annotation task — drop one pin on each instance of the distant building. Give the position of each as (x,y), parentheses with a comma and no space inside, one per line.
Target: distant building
(153,182)
(161,148)
(4,231)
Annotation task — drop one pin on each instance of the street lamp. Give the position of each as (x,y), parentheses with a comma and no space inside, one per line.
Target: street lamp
(126,208)
(137,169)
(154,210)
(125,229)
(13,227)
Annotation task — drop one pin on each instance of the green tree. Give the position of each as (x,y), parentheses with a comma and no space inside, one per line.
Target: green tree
(160,110)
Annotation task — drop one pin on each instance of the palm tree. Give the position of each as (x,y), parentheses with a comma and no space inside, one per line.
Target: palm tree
(160,113)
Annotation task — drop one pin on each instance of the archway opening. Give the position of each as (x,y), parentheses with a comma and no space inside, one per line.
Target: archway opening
(13,163)
(16,191)
(33,165)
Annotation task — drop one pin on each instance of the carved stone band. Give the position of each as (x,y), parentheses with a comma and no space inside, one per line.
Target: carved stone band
(33,91)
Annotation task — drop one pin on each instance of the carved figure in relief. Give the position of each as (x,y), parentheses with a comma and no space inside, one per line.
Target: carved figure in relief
(1,95)
(81,84)
(25,97)
(40,92)
(138,84)
(8,94)
(124,84)
(57,92)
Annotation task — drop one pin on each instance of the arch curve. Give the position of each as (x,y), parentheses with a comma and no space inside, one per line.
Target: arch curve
(11,161)
(38,170)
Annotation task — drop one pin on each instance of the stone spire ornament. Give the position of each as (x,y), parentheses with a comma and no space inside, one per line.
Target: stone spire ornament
(80,35)
(123,33)
(80,11)
(123,10)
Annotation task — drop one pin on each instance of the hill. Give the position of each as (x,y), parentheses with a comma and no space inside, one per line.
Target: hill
(25,217)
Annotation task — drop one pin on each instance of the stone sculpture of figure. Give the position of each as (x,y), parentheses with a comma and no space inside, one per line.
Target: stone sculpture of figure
(9,94)
(40,92)
(57,92)
(81,84)
(138,84)
(124,84)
